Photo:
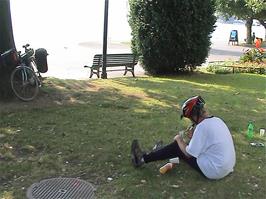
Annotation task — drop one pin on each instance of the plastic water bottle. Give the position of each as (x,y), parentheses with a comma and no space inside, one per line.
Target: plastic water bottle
(166,168)
(250,132)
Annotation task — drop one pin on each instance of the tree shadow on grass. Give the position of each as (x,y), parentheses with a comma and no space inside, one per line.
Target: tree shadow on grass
(236,97)
(242,81)
(89,125)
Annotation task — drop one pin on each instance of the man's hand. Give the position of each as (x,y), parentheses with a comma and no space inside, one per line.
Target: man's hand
(177,138)
(182,145)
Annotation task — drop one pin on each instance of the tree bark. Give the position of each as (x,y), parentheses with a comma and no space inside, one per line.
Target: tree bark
(264,25)
(6,30)
(249,22)
(6,43)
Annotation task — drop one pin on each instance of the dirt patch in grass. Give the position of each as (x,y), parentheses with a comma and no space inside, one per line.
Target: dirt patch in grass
(43,100)
(54,92)
(66,92)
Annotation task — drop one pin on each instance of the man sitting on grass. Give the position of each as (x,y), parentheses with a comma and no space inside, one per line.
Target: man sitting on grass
(210,151)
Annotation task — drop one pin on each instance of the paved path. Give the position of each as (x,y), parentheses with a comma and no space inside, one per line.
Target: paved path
(222,52)
(68,62)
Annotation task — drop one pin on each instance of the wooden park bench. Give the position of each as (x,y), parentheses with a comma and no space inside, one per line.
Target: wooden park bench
(114,62)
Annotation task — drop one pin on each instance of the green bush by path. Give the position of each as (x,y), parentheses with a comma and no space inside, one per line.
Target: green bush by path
(84,129)
(252,55)
(172,35)
(236,67)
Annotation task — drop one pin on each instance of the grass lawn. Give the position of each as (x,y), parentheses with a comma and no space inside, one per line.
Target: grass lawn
(85,128)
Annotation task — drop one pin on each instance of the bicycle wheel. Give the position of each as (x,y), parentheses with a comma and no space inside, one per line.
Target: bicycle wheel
(24,83)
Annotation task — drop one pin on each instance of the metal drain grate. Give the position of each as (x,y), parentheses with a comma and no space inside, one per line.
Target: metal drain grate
(61,188)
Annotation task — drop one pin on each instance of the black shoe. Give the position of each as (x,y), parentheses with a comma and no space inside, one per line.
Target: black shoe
(136,154)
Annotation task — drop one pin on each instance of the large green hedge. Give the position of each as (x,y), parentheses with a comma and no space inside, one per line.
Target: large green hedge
(170,35)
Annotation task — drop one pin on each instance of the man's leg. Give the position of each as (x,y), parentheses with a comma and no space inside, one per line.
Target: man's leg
(171,150)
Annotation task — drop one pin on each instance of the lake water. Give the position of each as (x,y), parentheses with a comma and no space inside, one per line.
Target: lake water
(72,31)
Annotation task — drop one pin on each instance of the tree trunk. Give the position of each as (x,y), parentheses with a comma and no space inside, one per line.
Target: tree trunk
(6,43)
(249,27)
(264,25)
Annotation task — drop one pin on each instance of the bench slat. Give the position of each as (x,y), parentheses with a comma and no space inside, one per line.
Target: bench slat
(125,61)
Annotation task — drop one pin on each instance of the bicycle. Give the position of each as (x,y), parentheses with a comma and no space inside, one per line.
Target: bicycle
(25,79)
(25,82)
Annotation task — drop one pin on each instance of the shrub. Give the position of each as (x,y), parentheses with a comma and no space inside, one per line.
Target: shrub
(171,35)
(252,55)
(218,69)
(227,67)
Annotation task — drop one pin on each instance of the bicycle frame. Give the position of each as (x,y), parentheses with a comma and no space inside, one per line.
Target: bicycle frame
(25,82)
(28,59)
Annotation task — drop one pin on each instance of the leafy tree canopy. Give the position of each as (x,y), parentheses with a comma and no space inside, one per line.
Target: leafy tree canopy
(242,9)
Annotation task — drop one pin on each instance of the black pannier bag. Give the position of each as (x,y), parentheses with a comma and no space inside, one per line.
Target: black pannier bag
(41,60)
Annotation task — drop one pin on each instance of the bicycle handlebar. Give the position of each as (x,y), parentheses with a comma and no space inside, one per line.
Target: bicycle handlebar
(26,46)
(28,51)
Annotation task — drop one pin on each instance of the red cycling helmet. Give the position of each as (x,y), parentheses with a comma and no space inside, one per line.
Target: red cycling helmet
(192,106)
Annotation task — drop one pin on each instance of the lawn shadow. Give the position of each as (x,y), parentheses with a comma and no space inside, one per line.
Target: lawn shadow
(84,129)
